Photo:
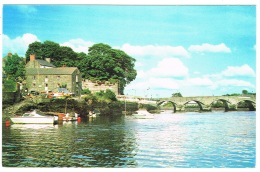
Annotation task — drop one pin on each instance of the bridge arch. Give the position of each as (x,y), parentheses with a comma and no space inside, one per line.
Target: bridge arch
(173,104)
(199,103)
(251,104)
(225,102)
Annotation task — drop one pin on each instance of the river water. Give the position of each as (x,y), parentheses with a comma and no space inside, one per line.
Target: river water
(215,139)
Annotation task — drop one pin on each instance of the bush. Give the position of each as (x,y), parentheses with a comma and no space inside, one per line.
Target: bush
(110,95)
(9,86)
(86,91)
(107,95)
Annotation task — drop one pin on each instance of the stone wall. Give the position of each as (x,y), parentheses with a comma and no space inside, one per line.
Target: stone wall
(99,86)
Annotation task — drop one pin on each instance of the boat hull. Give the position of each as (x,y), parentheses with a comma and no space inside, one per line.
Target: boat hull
(34,120)
(142,114)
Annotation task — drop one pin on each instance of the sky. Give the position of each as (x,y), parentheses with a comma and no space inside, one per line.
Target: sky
(195,50)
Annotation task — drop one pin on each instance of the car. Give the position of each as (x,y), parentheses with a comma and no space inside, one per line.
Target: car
(34,93)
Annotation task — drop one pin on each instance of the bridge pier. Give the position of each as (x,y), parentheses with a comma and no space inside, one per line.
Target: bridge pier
(179,108)
(206,108)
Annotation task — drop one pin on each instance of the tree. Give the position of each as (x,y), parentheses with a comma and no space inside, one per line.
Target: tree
(244,92)
(60,55)
(14,68)
(49,49)
(176,94)
(64,56)
(34,48)
(107,64)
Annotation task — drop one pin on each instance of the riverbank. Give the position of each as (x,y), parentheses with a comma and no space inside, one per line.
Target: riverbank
(81,106)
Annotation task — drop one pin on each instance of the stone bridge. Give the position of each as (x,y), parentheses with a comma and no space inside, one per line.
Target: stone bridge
(205,102)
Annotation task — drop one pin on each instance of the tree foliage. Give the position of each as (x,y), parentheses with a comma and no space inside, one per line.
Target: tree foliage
(244,92)
(176,94)
(105,63)
(9,85)
(60,55)
(14,68)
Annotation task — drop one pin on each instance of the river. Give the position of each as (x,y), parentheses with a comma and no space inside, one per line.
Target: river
(180,140)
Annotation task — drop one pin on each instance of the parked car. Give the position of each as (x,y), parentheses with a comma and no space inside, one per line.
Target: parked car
(34,93)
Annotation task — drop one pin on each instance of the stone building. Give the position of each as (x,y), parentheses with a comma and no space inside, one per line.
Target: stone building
(42,76)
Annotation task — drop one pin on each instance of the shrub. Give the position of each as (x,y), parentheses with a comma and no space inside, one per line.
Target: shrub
(86,91)
(9,86)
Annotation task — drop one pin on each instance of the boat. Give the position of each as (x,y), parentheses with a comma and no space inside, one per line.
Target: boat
(34,117)
(142,114)
(67,117)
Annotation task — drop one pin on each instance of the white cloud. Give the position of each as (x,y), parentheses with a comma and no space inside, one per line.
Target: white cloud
(234,83)
(155,50)
(78,45)
(210,48)
(169,67)
(154,83)
(199,82)
(19,44)
(165,83)
(243,70)
(141,74)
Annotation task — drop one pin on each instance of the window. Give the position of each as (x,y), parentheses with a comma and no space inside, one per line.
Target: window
(34,85)
(46,79)
(34,77)
(77,78)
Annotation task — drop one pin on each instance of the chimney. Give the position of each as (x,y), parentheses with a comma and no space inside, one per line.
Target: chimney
(48,60)
(32,57)
(9,54)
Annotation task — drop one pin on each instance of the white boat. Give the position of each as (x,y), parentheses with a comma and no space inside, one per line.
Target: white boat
(34,117)
(142,114)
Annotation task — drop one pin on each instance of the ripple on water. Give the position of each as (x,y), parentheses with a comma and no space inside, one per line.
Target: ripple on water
(167,141)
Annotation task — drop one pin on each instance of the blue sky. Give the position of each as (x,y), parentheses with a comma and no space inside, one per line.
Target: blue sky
(195,50)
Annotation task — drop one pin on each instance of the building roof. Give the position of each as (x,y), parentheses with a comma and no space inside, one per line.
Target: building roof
(44,63)
(51,71)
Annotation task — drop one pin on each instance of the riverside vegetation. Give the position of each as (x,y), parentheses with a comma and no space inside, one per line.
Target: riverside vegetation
(104,101)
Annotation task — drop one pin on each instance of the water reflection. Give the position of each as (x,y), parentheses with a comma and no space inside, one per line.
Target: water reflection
(103,142)
(169,140)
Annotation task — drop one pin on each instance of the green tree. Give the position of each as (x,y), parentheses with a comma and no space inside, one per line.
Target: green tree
(60,55)
(49,49)
(14,68)
(9,85)
(105,63)
(244,92)
(176,94)
(64,56)
(34,48)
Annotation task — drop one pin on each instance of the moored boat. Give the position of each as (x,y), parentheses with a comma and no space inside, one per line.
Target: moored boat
(67,117)
(142,114)
(34,117)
